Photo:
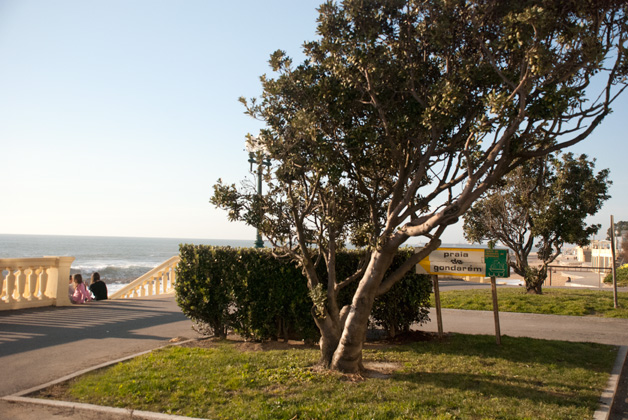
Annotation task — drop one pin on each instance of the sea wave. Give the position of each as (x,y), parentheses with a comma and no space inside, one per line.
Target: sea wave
(113,274)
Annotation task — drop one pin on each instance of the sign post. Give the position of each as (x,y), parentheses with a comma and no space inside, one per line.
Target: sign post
(439,318)
(474,262)
(494,256)
(498,335)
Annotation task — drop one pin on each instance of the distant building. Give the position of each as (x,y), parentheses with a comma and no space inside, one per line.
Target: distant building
(583,254)
(601,256)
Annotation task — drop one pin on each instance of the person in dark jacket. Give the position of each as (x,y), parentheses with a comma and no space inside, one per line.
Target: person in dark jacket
(98,287)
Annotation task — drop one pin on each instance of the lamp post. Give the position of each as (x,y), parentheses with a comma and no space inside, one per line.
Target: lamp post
(259,156)
(615,302)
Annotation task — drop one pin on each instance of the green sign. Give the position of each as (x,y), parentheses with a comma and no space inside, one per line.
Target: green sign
(496,263)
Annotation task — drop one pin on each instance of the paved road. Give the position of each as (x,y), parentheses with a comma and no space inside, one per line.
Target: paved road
(548,327)
(40,345)
(43,344)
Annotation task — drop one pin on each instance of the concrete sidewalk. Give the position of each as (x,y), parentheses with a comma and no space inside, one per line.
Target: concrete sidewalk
(41,345)
(548,327)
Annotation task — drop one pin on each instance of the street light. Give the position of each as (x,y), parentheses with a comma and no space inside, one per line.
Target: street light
(257,155)
(615,302)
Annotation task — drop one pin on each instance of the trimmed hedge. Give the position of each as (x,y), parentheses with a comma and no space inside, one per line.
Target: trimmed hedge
(406,302)
(621,275)
(261,297)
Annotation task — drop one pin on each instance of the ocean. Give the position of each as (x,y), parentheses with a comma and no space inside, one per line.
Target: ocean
(118,260)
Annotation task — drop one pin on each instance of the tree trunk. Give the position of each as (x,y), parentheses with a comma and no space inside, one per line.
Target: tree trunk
(534,278)
(534,288)
(330,329)
(348,355)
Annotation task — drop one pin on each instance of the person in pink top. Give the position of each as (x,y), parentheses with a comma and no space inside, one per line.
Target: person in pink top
(81,294)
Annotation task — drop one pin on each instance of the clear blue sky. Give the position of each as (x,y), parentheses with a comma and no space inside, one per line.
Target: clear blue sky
(118,116)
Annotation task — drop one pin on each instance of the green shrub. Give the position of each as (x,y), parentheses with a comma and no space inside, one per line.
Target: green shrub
(244,289)
(621,274)
(271,299)
(262,297)
(205,281)
(406,302)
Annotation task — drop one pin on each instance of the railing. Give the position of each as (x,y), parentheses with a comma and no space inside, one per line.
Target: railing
(574,268)
(34,282)
(160,280)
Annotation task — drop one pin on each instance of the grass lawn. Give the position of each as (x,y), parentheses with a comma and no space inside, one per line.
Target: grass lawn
(462,377)
(553,301)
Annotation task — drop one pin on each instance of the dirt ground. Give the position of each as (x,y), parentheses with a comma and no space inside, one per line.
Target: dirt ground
(371,369)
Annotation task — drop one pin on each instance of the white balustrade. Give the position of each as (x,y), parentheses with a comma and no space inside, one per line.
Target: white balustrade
(34,282)
(160,280)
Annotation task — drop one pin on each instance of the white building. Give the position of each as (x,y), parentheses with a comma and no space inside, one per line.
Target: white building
(601,256)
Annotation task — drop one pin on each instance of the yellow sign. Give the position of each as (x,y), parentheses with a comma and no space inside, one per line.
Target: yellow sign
(465,262)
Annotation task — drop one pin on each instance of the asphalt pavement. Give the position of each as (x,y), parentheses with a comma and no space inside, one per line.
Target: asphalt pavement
(41,345)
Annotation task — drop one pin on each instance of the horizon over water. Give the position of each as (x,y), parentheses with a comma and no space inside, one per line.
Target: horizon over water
(118,260)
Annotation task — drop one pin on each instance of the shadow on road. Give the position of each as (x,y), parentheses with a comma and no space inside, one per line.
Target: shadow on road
(34,329)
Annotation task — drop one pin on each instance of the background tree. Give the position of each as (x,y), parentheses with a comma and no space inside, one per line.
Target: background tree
(621,230)
(543,203)
(620,227)
(624,248)
(405,112)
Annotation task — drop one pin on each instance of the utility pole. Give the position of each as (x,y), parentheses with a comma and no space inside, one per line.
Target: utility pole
(257,155)
(615,302)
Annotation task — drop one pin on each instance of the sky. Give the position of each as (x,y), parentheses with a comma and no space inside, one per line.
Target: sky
(117,117)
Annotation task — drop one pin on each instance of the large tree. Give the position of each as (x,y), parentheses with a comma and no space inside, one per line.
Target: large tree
(545,204)
(401,116)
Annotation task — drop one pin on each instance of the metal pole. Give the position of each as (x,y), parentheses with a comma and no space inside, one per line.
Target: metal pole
(439,318)
(498,336)
(259,243)
(615,303)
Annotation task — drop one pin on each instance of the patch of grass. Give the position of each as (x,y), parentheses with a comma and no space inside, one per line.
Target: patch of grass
(463,377)
(576,302)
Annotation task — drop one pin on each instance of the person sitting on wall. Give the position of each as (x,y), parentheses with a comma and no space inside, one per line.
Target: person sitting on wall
(80,294)
(98,287)
(70,287)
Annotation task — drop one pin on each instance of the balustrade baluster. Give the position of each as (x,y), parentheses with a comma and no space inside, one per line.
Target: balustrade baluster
(168,280)
(43,282)
(20,283)
(3,282)
(152,285)
(32,283)
(10,281)
(158,281)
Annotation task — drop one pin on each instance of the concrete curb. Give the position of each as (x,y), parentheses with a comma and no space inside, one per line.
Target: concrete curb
(121,413)
(602,413)
(608,396)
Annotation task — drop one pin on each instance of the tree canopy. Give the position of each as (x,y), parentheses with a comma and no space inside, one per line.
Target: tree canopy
(402,115)
(542,204)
